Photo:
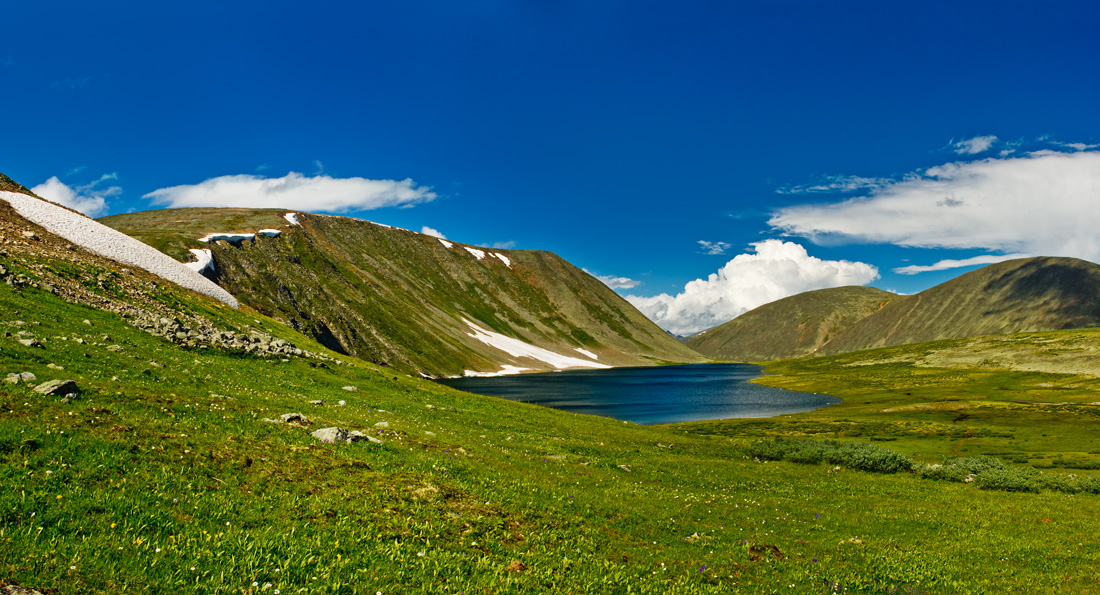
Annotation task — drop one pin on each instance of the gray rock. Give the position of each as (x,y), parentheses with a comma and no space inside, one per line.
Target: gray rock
(356,436)
(30,342)
(294,418)
(12,378)
(353,389)
(331,435)
(28,377)
(56,387)
(382,424)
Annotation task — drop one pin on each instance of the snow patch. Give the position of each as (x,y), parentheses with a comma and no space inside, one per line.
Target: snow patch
(478,254)
(446,243)
(504,259)
(104,241)
(291,218)
(517,348)
(381,224)
(269,233)
(505,370)
(204,260)
(232,238)
(588,353)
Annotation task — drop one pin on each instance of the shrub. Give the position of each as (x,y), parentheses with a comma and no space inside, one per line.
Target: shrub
(959,468)
(854,455)
(1009,480)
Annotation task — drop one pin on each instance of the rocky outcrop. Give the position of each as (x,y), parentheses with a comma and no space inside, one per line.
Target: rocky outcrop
(196,337)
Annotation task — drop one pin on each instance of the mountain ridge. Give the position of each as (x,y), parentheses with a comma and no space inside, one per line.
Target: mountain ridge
(400,298)
(1019,295)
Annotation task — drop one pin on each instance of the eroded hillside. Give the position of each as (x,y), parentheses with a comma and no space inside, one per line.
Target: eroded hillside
(411,301)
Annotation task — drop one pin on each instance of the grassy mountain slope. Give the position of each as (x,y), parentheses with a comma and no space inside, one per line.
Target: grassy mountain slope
(161,477)
(791,327)
(1030,294)
(399,298)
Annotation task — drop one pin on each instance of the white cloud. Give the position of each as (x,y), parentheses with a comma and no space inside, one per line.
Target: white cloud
(500,245)
(776,270)
(1076,146)
(90,199)
(714,247)
(294,191)
(618,282)
(432,232)
(946,264)
(973,146)
(1042,203)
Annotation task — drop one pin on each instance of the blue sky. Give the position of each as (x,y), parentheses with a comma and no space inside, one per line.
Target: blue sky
(619,135)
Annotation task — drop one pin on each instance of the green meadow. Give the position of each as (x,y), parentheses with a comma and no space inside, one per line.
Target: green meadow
(161,477)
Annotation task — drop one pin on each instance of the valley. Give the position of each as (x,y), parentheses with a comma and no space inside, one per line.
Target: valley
(170,469)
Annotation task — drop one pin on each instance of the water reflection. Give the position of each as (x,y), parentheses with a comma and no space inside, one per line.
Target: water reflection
(657,395)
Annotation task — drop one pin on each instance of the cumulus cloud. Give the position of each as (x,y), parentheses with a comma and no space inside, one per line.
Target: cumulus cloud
(1042,203)
(947,263)
(294,191)
(973,146)
(775,270)
(714,247)
(90,199)
(432,232)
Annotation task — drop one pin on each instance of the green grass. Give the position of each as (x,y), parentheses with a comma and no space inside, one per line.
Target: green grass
(165,481)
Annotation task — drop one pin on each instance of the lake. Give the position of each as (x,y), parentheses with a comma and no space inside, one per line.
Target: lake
(657,395)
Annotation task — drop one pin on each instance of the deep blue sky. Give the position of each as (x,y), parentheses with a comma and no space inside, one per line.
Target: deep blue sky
(617,134)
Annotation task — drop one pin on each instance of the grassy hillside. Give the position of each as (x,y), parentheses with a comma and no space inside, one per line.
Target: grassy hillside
(162,477)
(1031,294)
(399,298)
(791,327)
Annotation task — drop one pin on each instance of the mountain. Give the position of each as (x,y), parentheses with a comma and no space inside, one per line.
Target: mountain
(1023,295)
(408,300)
(791,327)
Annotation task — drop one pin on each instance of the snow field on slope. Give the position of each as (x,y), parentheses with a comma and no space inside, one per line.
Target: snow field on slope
(104,241)
(505,370)
(205,259)
(517,348)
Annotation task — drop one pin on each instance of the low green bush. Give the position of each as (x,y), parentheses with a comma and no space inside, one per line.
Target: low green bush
(854,455)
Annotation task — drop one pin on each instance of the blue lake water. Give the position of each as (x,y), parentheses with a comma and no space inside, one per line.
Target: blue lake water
(658,395)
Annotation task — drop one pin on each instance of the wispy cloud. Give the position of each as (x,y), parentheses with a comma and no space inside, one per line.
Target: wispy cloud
(294,191)
(615,282)
(835,184)
(1075,146)
(499,245)
(714,247)
(774,270)
(947,264)
(90,198)
(973,146)
(1040,203)
(432,232)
